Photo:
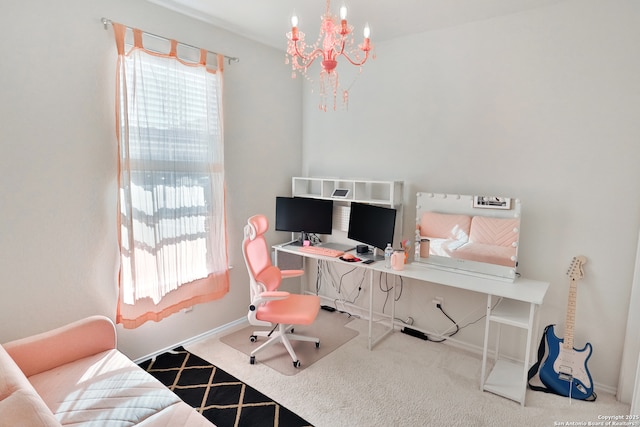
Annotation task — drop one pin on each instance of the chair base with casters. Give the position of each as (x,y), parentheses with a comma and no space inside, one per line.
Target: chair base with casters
(296,309)
(283,334)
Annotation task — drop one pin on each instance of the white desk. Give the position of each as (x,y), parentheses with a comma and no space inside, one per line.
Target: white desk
(518,308)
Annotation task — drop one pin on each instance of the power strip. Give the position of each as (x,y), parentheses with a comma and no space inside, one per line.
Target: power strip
(414,333)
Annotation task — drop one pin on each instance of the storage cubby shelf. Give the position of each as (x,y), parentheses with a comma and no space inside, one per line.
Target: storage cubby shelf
(385,193)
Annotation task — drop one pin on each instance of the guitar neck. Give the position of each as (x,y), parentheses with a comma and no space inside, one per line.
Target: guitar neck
(570,321)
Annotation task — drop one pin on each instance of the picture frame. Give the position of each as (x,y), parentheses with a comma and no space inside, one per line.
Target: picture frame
(491,202)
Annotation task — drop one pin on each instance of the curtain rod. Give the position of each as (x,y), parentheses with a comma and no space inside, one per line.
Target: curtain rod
(231,59)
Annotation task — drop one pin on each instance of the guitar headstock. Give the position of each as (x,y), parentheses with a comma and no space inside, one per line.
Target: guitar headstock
(575,271)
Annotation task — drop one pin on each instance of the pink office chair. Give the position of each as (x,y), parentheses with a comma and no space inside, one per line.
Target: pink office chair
(270,307)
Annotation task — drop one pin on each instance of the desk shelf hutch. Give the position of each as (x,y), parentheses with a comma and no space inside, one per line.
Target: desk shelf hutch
(384,193)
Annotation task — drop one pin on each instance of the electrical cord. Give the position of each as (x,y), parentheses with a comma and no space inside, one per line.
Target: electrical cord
(452,321)
(482,317)
(388,289)
(459,328)
(329,271)
(318,276)
(313,238)
(408,322)
(343,275)
(349,314)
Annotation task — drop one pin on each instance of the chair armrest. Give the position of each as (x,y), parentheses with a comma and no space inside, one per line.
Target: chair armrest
(47,350)
(286,274)
(267,296)
(271,295)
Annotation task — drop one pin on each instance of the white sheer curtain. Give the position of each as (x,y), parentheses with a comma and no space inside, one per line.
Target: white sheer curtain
(171,178)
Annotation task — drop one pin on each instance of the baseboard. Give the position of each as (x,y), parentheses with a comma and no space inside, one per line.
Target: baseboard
(220,330)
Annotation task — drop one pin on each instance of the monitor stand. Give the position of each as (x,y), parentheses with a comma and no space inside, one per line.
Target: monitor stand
(300,240)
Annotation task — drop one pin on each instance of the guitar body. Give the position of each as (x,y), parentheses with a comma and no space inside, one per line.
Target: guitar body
(564,370)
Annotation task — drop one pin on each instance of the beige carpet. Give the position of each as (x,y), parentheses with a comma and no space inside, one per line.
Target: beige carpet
(403,382)
(329,327)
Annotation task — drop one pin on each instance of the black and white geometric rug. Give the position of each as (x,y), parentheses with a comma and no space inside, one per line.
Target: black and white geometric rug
(220,397)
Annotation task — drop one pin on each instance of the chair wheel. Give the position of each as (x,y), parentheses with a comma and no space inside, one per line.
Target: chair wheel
(318,344)
(253,338)
(252,360)
(296,363)
(291,331)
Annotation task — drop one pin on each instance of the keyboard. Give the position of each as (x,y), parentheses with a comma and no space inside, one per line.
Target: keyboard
(319,250)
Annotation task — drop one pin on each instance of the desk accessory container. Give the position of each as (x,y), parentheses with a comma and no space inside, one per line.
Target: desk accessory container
(424,248)
(398,260)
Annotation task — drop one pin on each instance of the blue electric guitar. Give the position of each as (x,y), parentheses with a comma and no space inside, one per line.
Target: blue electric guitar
(564,370)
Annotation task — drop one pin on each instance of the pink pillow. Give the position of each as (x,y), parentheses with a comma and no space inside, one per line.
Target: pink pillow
(445,226)
(494,231)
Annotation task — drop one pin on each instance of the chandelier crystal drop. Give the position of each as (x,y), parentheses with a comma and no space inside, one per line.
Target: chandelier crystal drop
(333,42)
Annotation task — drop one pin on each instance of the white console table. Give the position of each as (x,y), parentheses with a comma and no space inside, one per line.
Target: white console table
(520,300)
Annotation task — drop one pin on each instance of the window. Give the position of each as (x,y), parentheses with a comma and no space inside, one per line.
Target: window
(171,179)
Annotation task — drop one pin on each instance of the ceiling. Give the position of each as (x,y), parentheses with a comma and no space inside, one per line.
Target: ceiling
(267,21)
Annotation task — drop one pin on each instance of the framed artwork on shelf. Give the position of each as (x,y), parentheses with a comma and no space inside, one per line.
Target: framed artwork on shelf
(491,202)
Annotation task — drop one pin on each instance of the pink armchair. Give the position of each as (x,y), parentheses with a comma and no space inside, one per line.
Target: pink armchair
(269,307)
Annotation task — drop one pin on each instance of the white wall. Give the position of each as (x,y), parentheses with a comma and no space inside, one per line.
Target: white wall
(542,105)
(58,249)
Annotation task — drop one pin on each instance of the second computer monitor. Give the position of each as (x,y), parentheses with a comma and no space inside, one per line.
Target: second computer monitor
(372,225)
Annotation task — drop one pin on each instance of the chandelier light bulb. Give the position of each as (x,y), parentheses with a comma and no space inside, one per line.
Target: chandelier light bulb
(334,42)
(294,27)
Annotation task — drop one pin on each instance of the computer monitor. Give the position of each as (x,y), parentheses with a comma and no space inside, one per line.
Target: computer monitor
(372,225)
(304,215)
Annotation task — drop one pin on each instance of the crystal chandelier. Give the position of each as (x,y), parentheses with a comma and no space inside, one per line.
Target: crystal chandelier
(333,42)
